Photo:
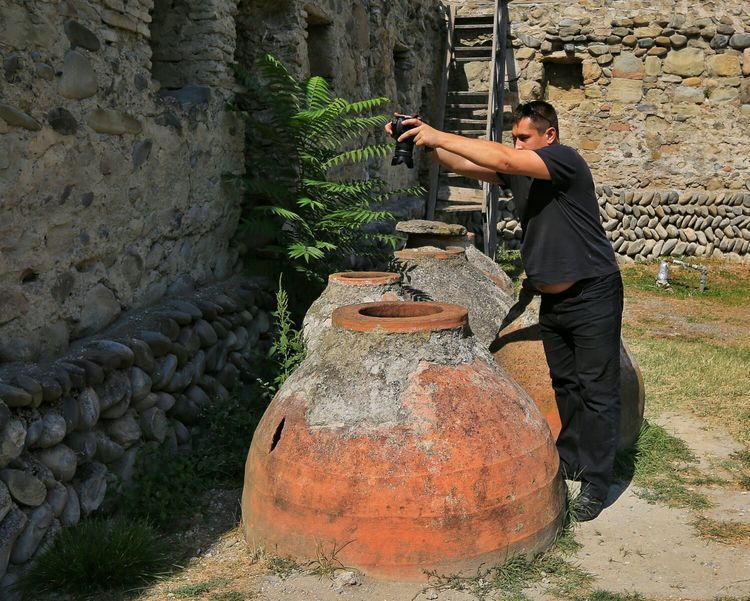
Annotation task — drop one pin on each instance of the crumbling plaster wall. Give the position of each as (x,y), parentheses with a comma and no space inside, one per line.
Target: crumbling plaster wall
(110,181)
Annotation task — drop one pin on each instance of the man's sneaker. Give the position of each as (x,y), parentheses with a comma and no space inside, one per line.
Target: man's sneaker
(586,508)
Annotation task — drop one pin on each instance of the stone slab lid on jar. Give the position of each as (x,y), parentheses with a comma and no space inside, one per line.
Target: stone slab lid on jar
(365,278)
(431,228)
(401,317)
(429,252)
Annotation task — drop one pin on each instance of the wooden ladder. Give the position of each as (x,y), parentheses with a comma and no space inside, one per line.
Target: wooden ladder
(473,113)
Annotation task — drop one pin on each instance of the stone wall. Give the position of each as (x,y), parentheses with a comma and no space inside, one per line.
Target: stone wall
(365,50)
(655,95)
(115,224)
(114,138)
(71,427)
(110,180)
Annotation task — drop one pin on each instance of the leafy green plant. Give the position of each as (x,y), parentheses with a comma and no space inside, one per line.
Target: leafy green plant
(98,555)
(299,142)
(288,349)
(509,261)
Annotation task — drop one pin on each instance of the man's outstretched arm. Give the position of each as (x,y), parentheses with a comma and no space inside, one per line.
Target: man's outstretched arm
(490,156)
(458,164)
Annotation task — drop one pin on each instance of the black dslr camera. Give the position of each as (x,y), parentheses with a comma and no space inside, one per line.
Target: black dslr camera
(404,150)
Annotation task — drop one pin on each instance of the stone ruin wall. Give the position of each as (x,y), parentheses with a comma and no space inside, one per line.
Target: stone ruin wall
(121,314)
(110,180)
(365,50)
(114,139)
(656,97)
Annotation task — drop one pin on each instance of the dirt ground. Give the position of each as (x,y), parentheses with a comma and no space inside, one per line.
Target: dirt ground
(633,547)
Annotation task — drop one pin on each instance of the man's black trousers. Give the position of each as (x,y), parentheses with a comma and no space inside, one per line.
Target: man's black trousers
(580,329)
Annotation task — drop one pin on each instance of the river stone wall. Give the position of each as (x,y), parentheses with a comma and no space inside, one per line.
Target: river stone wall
(71,427)
(655,95)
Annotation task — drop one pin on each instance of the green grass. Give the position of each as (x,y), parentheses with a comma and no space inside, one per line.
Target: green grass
(695,375)
(326,561)
(166,484)
(602,595)
(228,596)
(283,567)
(662,465)
(509,581)
(191,590)
(727,285)
(98,556)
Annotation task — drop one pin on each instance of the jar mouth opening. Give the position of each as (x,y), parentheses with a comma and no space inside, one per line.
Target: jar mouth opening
(405,316)
(400,310)
(365,278)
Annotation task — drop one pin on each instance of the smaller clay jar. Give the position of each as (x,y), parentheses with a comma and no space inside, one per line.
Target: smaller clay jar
(446,275)
(402,443)
(519,350)
(348,288)
(440,235)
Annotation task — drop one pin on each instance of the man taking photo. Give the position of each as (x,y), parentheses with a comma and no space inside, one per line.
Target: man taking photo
(570,262)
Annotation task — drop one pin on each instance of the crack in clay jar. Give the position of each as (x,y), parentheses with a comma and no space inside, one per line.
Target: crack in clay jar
(401,442)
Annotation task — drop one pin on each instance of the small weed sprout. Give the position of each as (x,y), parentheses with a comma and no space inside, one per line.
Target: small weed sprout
(325,564)
(283,567)
(191,590)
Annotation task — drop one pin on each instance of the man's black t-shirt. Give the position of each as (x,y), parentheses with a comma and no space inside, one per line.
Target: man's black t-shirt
(563,238)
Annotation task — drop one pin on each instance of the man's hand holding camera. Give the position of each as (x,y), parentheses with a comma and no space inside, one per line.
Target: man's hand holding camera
(404,128)
(414,127)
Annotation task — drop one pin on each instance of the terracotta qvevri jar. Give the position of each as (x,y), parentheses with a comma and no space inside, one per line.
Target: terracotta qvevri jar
(441,235)
(520,352)
(402,443)
(348,288)
(446,275)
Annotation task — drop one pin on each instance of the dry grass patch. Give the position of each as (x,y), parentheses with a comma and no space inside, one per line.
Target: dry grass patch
(730,533)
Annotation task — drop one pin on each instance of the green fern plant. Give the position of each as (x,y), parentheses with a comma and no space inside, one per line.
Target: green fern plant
(299,140)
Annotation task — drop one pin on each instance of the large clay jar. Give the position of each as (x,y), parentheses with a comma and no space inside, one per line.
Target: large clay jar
(348,288)
(441,235)
(447,276)
(401,444)
(520,352)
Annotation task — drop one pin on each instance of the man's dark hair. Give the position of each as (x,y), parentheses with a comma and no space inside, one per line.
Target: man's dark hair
(541,113)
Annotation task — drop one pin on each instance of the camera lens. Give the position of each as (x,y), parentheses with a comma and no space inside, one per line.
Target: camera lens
(404,151)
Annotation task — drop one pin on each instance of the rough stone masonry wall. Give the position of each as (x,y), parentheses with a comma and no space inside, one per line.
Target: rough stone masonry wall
(71,427)
(114,138)
(365,50)
(113,141)
(656,97)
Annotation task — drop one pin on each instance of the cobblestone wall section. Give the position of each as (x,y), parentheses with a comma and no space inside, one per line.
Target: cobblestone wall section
(71,427)
(645,224)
